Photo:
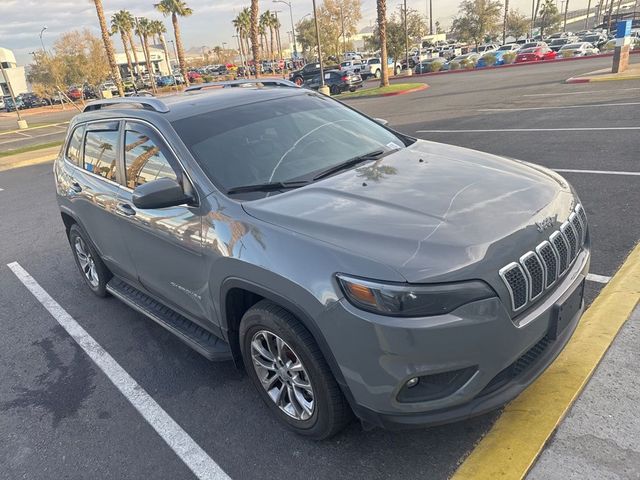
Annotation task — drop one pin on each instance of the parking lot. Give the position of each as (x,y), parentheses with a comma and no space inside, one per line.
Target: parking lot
(60,415)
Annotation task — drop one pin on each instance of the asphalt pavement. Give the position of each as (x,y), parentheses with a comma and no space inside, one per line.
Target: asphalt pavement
(61,417)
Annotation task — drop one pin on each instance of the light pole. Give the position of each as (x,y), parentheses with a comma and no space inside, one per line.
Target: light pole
(42,41)
(175,52)
(293,28)
(323,88)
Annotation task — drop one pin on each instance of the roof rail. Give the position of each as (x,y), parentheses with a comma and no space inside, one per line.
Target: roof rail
(266,82)
(147,103)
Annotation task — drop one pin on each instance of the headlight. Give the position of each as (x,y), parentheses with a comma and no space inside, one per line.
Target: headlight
(407,300)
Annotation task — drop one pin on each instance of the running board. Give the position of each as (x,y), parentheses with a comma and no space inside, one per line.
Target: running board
(201,340)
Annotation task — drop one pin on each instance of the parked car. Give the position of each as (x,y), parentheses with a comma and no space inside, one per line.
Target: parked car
(351,66)
(74,93)
(31,100)
(109,86)
(535,54)
(337,81)
(432,65)
(166,81)
(558,43)
(558,35)
(532,45)
(305,73)
(292,251)
(472,56)
(193,75)
(352,56)
(597,40)
(498,54)
(2,104)
(11,106)
(581,49)
(373,67)
(486,48)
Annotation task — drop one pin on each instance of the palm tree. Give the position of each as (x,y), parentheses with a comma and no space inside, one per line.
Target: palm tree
(108,46)
(272,21)
(122,22)
(143,30)
(177,8)
(381,6)
(126,21)
(242,24)
(158,29)
(254,31)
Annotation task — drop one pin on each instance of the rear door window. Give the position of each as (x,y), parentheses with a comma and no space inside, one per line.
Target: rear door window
(146,157)
(101,150)
(75,146)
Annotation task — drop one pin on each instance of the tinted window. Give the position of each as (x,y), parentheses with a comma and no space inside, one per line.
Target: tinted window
(283,139)
(100,153)
(73,150)
(145,159)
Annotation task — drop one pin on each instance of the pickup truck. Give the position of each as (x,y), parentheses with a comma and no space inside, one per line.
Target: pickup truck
(373,68)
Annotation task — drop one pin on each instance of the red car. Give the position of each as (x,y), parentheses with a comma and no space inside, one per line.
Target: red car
(74,93)
(535,54)
(193,75)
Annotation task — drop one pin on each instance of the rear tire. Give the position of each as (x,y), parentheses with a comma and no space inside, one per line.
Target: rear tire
(335,90)
(307,399)
(94,272)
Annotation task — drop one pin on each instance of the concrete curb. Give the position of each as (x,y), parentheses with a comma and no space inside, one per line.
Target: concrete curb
(23,160)
(512,445)
(603,79)
(423,86)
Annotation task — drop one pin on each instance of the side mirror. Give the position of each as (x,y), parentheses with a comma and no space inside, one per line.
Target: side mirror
(381,121)
(160,193)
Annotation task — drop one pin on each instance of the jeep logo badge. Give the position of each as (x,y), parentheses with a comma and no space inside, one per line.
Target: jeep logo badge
(545,223)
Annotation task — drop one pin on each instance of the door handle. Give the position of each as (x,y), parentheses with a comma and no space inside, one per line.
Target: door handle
(75,186)
(125,209)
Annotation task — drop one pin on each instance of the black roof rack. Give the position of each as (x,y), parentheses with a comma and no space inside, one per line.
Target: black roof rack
(148,103)
(266,82)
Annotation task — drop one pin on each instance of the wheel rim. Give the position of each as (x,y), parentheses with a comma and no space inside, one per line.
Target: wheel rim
(282,375)
(299,81)
(87,263)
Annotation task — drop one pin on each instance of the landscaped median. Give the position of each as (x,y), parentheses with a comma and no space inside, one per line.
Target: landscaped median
(388,91)
(31,155)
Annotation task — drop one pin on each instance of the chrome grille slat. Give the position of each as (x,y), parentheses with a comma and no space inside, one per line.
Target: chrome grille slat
(536,271)
(550,260)
(535,274)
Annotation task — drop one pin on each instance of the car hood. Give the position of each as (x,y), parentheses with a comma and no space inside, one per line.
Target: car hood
(431,211)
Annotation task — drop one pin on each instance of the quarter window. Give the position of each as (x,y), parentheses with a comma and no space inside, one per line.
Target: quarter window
(100,153)
(73,150)
(145,159)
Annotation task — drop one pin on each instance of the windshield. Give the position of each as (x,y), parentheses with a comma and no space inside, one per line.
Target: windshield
(528,50)
(373,60)
(280,140)
(571,46)
(592,38)
(505,47)
(559,41)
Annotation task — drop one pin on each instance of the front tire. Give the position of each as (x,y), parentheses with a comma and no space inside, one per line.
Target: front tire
(290,373)
(94,272)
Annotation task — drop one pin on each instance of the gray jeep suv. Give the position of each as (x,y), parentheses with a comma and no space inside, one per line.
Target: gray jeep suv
(348,267)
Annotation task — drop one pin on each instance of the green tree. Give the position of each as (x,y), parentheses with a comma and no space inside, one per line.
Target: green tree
(549,17)
(395,34)
(144,30)
(517,24)
(242,24)
(477,20)
(122,23)
(176,8)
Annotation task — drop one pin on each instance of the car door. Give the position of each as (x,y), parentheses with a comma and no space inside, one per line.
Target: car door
(164,243)
(91,175)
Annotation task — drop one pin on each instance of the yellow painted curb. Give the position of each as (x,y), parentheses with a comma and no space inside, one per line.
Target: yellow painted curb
(614,79)
(512,445)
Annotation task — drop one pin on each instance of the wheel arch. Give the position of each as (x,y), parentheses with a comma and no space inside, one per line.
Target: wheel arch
(240,290)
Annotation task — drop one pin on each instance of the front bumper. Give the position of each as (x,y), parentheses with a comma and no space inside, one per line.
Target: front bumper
(377,354)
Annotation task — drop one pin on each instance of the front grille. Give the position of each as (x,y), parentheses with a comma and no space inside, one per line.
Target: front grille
(538,270)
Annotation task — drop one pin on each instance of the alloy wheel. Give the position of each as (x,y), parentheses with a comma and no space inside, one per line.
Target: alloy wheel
(282,375)
(87,263)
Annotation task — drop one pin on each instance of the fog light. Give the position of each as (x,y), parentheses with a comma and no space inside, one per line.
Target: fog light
(412,382)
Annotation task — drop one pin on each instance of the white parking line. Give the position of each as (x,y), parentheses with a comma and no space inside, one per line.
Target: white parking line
(581,92)
(31,137)
(176,438)
(598,278)
(597,105)
(597,172)
(565,129)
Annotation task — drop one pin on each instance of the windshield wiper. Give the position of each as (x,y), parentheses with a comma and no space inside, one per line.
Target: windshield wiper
(267,187)
(348,164)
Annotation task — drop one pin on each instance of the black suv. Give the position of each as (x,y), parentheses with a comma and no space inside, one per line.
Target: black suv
(307,72)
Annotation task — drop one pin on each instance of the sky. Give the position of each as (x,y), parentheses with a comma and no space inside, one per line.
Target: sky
(210,24)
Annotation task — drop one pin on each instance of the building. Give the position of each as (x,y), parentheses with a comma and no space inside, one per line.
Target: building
(15,74)
(158,61)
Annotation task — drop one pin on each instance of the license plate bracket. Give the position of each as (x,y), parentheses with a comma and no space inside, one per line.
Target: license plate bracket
(565,310)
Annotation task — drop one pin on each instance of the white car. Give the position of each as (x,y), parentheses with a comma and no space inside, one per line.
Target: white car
(373,68)
(578,49)
(509,47)
(352,66)
(352,56)
(486,48)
